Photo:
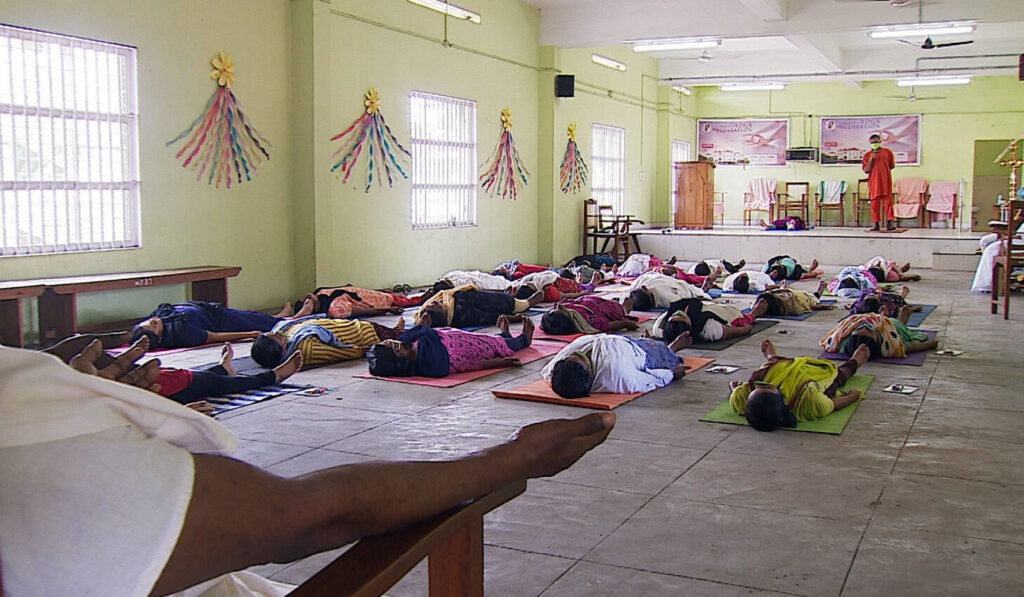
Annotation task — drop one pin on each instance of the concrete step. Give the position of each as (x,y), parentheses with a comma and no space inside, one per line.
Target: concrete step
(958,262)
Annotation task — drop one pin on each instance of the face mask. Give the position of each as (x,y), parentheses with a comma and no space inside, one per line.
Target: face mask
(875,145)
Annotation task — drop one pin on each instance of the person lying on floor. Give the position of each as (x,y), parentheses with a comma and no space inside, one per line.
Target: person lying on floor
(705,320)
(320,340)
(748,282)
(638,263)
(343,302)
(851,281)
(513,270)
(706,267)
(886,270)
(886,337)
(784,391)
(791,301)
(201,322)
(655,290)
(554,285)
(439,352)
(134,495)
(588,275)
(599,262)
(699,280)
(612,364)
(588,315)
(468,306)
(790,223)
(188,387)
(883,302)
(784,267)
(482,280)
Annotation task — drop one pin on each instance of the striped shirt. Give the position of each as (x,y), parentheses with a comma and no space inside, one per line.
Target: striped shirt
(359,334)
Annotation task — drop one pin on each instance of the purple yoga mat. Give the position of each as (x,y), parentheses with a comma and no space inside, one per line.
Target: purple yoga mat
(914,359)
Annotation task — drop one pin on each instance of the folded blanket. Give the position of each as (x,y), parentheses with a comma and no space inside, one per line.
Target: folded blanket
(908,194)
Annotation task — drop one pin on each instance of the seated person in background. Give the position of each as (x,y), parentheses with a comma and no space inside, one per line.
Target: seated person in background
(990,249)
(887,337)
(588,315)
(749,282)
(705,321)
(655,290)
(468,306)
(790,301)
(343,302)
(612,364)
(851,281)
(789,223)
(555,285)
(320,340)
(883,302)
(784,267)
(439,352)
(201,322)
(131,494)
(482,280)
(886,270)
(707,266)
(784,391)
(513,270)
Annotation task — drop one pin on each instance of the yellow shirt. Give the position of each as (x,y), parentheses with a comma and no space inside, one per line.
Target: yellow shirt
(359,334)
(801,381)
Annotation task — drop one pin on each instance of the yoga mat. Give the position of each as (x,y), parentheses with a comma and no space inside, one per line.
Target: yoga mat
(833,424)
(247,366)
(914,359)
(918,317)
(540,391)
(535,351)
(800,317)
(232,401)
(759,326)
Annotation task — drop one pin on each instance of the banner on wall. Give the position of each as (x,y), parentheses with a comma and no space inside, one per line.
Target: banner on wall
(743,141)
(844,139)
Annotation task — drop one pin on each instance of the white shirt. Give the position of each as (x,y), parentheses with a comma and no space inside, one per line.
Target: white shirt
(481,280)
(759,281)
(712,263)
(537,279)
(713,330)
(634,265)
(620,366)
(666,290)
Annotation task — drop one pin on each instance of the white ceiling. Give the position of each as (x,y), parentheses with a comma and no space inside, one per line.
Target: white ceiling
(792,40)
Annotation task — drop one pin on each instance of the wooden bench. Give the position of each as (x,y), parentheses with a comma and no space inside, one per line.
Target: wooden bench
(58,313)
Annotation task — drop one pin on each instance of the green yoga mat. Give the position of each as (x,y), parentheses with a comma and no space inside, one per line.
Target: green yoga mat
(833,424)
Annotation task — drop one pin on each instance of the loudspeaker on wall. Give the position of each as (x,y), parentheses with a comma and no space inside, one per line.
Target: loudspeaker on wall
(565,85)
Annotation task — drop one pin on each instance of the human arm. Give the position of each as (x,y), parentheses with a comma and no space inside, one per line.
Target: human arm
(279,520)
(500,362)
(627,324)
(845,399)
(732,331)
(218,337)
(919,346)
(570,295)
(869,161)
(360,311)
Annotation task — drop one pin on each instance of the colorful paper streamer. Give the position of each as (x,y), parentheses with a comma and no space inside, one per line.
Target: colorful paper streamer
(371,131)
(574,170)
(506,175)
(223,146)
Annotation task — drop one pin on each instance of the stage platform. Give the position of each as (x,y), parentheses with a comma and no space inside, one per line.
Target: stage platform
(829,245)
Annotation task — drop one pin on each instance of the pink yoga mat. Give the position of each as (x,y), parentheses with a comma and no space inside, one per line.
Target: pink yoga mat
(537,350)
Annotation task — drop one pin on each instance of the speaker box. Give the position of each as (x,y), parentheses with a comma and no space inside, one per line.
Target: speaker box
(565,85)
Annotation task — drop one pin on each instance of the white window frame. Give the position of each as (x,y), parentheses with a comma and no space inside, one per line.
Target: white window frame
(69,144)
(680,151)
(608,166)
(444,153)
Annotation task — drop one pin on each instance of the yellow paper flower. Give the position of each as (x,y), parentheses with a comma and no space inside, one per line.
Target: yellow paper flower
(372,101)
(506,118)
(223,70)
(572,131)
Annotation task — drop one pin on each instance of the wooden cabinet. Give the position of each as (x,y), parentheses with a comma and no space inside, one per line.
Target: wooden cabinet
(695,202)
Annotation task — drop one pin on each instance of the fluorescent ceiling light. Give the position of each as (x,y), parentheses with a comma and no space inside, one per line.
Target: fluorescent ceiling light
(606,61)
(926,29)
(449,9)
(681,89)
(766,86)
(922,81)
(661,45)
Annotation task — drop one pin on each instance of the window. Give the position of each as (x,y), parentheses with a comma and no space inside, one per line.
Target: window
(68,144)
(443,142)
(608,166)
(680,153)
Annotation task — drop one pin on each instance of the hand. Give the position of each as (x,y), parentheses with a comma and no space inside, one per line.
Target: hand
(547,448)
(253,335)
(511,362)
(395,310)
(122,368)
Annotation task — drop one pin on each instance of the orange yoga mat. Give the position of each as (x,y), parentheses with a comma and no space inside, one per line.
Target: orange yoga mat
(537,350)
(540,391)
(540,334)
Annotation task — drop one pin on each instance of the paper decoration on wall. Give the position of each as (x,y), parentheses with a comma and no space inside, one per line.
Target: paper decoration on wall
(224,146)
(372,131)
(574,169)
(506,175)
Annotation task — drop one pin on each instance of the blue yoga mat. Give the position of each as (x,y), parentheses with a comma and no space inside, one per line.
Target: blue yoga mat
(918,317)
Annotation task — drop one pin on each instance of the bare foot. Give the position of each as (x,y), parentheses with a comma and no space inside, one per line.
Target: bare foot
(821,287)
(672,261)
(764,225)
(814,265)
(905,267)
(285,311)
(503,323)
(288,368)
(308,304)
(682,341)
(528,327)
(904,314)
(400,326)
(904,291)
(226,354)
(709,282)
(768,349)
(627,305)
(202,406)
(861,355)
(784,284)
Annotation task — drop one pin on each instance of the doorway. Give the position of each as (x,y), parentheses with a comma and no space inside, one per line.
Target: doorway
(990,181)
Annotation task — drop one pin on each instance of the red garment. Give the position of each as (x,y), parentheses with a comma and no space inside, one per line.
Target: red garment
(742,321)
(880,177)
(880,203)
(172,381)
(525,268)
(553,292)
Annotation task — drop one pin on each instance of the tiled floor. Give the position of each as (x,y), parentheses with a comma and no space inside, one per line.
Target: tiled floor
(921,495)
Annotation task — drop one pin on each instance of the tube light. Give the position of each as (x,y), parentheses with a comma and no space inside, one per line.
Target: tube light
(449,9)
(925,29)
(662,45)
(922,81)
(606,61)
(766,86)
(681,89)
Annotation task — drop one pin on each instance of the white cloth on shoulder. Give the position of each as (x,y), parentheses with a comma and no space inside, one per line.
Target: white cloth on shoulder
(482,280)
(665,289)
(537,279)
(759,281)
(620,366)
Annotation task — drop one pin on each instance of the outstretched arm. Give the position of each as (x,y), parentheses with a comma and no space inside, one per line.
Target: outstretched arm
(279,520)
(218,337)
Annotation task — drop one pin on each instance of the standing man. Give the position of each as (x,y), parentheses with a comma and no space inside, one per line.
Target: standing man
(878,165)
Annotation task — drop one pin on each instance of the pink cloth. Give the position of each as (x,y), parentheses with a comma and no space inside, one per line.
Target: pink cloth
(597,311)
(760,193)
(892,272)
(468,350)
(908,191)
(942,198)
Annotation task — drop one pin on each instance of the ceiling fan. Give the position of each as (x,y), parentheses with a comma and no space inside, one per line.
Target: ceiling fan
(914,98)
(928,44)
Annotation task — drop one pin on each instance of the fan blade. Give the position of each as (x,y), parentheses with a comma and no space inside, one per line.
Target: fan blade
(913,43)
(954,43)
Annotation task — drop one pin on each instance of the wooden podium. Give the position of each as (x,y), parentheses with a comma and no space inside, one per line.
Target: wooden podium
(695,198)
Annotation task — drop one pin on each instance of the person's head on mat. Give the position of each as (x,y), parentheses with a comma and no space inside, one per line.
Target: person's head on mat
(772,301)
(870,304)
(557,322)
(643,299)
(702,269)
(741,284)
(766,410)
(877,273)
(152,328)
(777,272)
(861,336)
(849,283)
(437,287)
(433,316)
(392,358)
(677,324)
(268,349)
(573,376)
